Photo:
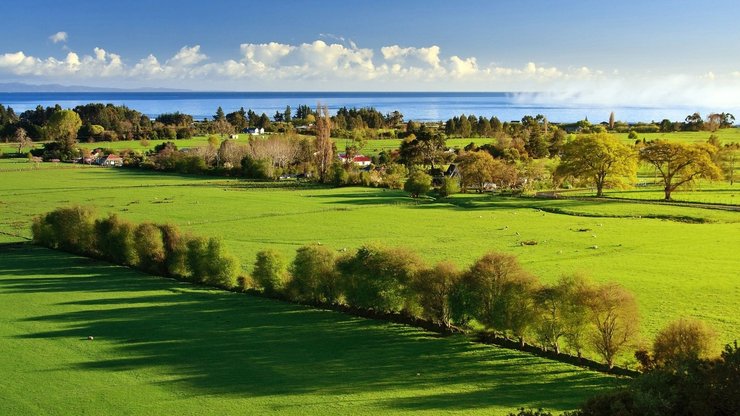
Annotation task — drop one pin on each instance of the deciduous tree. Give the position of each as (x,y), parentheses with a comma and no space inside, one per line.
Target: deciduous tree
(613,315)
(418,183)
(22,139)
(680,163)
(269,271)
(314,276)
(683,340)
(324,146)
(434,288)
(599,159)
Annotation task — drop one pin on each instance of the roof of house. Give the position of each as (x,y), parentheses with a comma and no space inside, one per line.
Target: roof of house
(113,157)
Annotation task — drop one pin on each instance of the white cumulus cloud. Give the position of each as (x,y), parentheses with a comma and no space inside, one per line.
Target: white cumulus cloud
(58,37)
(336,63)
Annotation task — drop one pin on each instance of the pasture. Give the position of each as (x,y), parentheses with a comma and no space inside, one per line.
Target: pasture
(373,147)
(675,265)
(179,349)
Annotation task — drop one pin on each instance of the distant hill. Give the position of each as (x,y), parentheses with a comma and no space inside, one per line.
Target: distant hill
(23,87)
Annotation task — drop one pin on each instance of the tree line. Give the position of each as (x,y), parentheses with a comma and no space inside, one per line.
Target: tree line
(680,378)
(573,314)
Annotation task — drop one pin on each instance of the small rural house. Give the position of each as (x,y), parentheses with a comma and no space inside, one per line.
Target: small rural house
(358,160)
(111,160)
(254,131)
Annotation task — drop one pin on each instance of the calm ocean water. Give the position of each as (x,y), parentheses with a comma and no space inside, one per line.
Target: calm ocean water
(421,106)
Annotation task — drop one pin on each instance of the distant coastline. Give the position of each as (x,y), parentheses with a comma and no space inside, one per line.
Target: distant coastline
(419,106)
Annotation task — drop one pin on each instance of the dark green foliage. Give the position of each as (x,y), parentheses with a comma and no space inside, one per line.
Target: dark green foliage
(69,229)
(505,293)
(314,276)
(450,186)
(156,249)
(210,264)
(269,271)
(149,248)
(257,168)
(115,240)
(434,287)
(175,248)
(379,278)
(689,387)
(418,183)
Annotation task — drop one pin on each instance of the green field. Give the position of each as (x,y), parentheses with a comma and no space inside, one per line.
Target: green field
(675,268)
(703,192)
(163,347)
(373,147)
(731,135)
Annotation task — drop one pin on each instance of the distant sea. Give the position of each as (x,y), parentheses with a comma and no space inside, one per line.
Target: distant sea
(420,106)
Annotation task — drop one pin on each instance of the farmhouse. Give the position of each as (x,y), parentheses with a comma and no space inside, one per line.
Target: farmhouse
(111,160)
(358,160)
(254,131)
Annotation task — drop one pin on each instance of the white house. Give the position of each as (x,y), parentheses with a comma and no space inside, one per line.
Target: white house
(358,160)
(254,131)
(111,160)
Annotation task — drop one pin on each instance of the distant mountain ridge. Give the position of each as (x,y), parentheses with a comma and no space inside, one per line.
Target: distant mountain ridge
(23,87)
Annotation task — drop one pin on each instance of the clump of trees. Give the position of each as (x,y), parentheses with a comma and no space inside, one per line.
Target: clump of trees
(681,376)
(494,292)
(159,249)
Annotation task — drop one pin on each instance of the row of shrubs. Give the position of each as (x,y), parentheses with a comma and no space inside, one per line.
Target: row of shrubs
(154,248)
(494,293)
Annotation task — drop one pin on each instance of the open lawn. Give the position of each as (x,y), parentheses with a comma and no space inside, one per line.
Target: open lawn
(675,268)
(164,347)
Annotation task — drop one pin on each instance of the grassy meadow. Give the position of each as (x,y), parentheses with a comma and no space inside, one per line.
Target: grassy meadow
(373,147)
(675,265)
(179,349)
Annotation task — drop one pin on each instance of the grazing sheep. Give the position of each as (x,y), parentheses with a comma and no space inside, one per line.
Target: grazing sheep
(594,247)
(90,338)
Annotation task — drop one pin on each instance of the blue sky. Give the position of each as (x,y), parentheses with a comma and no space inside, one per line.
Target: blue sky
(551,46)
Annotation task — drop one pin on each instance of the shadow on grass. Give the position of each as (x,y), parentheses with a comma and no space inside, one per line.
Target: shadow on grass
(216,342)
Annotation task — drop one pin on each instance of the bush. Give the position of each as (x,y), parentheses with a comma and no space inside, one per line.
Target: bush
(115,240)
(379,278)
(175,248)
(210,264)
(70,229)
(221,267)
(682,340)
(257,168)
(434,288)
(418,183)
(149,248)
(450,186)
(314,275)
(269,271)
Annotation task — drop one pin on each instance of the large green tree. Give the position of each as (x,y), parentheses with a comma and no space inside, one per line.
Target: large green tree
(62,128)
(599,159)
(681,163)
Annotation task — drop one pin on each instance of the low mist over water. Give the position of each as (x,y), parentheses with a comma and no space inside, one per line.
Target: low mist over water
(421,106)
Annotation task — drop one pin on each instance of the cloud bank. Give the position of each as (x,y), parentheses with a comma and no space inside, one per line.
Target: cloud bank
(343,65)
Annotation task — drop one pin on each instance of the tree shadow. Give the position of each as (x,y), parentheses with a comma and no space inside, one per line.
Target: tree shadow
(215,342)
